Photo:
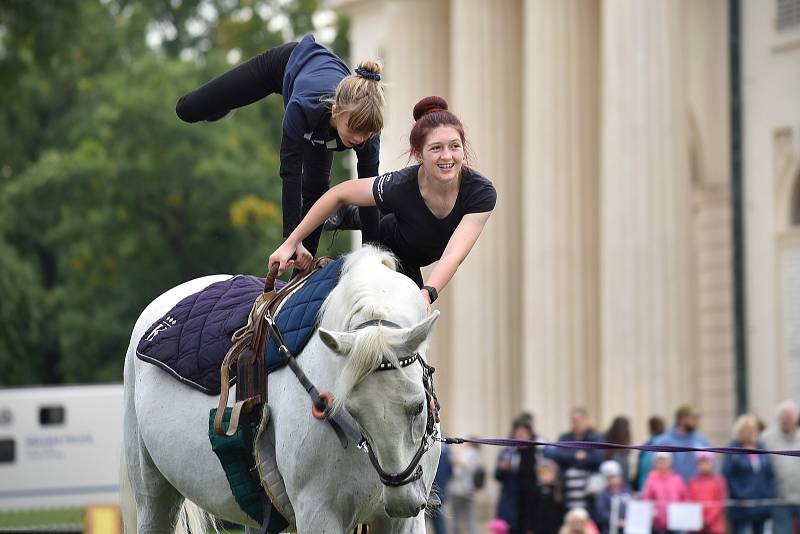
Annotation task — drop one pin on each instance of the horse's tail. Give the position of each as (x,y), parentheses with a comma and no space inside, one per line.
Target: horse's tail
(193,519)
(126,502)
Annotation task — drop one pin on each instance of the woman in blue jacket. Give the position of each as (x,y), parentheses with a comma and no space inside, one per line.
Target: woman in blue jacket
(749,477)
(327,109)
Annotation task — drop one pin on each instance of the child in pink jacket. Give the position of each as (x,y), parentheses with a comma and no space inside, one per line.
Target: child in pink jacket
(709,489)
(663,486)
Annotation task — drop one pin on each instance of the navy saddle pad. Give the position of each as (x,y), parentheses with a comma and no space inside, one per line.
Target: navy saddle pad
(192,339)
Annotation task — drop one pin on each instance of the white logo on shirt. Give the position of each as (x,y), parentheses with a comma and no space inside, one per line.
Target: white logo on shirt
(382,179)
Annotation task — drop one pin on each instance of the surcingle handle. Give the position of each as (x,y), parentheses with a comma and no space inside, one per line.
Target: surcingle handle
(269,283)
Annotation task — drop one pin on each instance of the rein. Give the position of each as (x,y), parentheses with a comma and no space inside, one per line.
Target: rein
(342,425)
(599,445)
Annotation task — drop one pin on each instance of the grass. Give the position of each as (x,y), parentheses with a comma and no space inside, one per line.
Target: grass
(59,516)
(39,517)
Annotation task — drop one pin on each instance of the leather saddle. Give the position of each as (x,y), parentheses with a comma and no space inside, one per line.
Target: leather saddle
(248,352)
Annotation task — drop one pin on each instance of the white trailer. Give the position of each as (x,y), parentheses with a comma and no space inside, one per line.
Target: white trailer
(60,446)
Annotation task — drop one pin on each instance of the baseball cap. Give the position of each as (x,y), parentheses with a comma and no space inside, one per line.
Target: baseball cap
(610,468)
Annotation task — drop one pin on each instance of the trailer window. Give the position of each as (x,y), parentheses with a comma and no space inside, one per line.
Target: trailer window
(51,415)
(6,451)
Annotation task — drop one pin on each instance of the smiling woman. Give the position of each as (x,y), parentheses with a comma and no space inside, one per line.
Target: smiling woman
(433,211)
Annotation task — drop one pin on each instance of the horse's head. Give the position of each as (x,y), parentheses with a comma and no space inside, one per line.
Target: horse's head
(385,383)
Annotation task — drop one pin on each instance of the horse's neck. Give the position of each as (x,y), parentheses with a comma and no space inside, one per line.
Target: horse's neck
(321,364)
(364,291)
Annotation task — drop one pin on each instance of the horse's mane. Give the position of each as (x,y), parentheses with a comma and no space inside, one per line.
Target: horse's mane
(371,344)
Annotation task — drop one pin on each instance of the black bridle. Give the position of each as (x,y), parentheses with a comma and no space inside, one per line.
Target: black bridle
(343,423)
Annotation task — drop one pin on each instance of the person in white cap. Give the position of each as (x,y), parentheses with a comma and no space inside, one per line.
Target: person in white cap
(610,503)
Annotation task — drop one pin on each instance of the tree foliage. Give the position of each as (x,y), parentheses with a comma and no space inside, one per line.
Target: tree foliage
(106,198)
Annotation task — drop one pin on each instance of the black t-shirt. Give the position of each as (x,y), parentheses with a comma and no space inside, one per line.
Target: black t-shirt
(419,238)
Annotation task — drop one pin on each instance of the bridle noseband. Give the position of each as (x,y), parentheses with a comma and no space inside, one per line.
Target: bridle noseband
(343,423)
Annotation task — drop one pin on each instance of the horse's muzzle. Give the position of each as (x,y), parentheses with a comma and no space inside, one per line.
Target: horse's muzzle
(404,501)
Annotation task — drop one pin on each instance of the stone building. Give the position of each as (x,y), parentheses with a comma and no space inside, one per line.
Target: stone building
(605,277)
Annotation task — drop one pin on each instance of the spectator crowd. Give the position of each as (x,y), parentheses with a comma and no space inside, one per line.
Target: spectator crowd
(560,490)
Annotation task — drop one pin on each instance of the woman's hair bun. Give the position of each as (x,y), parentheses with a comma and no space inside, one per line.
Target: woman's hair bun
(371,66)
(429,104)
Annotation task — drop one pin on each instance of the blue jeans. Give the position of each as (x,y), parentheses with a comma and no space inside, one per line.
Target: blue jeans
(782,518)
(749,527)
(438,521)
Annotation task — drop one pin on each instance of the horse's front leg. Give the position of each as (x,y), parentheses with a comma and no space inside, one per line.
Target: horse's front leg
(318,518)
(332,509)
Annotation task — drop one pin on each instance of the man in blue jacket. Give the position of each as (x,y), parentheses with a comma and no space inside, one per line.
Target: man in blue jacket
(684,433)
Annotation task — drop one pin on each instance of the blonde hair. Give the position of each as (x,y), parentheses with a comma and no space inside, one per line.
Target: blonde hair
(576,514)
(744,420)
(361,98)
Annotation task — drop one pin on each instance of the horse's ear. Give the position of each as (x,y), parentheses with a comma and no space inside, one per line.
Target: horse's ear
(338,342)
(416,335)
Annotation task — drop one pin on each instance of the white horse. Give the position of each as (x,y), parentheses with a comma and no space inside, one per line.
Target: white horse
(167,456)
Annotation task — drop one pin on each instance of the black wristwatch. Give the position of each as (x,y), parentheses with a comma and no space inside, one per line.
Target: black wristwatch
(432,293)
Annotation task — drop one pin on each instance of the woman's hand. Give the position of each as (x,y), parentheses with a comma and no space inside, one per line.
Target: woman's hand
(290,255)
(303,258)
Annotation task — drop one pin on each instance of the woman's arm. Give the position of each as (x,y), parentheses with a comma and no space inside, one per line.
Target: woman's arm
(367,166)
(291,172)
(461,242)
(356,192)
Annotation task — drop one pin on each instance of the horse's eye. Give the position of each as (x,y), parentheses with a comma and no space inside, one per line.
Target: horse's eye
(416,409)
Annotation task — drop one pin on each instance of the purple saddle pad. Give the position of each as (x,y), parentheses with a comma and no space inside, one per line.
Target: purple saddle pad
(191,340)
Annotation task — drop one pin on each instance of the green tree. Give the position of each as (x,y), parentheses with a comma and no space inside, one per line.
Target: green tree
(107,198)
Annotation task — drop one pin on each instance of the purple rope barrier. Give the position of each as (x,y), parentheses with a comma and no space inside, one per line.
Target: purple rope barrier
(599,445)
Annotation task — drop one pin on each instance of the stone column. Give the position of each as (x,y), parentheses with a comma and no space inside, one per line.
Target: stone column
(707,79)
(369,30)
(485,86)
(560,230)
(646,312)
(416,65)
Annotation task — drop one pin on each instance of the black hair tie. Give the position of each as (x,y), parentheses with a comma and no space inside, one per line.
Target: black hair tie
(368,74)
